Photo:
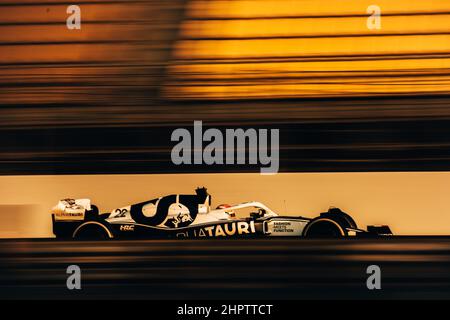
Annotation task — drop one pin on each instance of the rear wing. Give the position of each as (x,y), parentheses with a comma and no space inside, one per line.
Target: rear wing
(71,209)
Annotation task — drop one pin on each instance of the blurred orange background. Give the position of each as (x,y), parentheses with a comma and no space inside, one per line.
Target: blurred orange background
(226,49)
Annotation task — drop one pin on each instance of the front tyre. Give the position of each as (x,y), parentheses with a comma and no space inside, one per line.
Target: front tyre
(323,228)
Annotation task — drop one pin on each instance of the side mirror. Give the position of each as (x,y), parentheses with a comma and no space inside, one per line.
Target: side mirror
(254,215)
(259,214)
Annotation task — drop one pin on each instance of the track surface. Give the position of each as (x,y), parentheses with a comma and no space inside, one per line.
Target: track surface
(214,269)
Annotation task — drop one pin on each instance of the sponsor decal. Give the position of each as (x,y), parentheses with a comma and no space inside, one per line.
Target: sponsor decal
(180,219)
(69,214)
(127,227)
(283,226)
(221,230)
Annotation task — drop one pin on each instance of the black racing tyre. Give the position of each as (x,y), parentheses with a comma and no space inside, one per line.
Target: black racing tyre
(344,219)
(92,231)
(324,228)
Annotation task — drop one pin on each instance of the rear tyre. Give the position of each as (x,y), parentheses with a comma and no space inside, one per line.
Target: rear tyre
(92,231)
(323,228)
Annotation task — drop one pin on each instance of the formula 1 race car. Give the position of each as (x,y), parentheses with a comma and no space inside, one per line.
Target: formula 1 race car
(190,216)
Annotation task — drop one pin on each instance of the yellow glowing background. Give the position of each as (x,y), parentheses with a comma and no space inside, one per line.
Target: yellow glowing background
(288,48)
(121,49)
(218,49)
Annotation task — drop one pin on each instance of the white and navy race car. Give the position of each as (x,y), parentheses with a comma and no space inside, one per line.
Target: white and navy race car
(190,216)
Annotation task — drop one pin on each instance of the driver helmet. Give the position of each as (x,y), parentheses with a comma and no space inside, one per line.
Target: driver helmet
(230,213)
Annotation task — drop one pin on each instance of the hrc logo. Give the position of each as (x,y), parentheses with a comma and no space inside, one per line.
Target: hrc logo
(127,227)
